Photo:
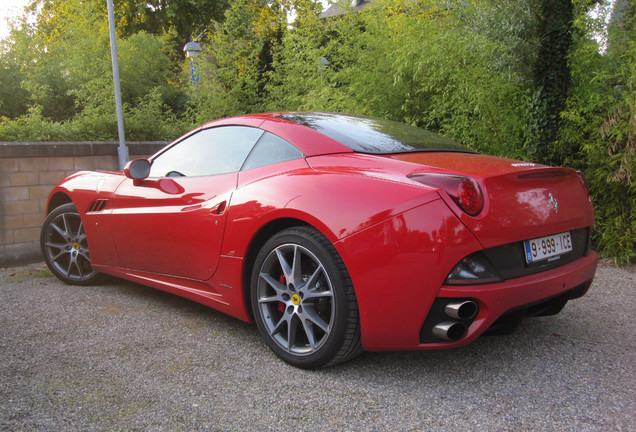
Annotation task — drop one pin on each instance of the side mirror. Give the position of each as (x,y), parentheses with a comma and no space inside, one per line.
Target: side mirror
(137,169)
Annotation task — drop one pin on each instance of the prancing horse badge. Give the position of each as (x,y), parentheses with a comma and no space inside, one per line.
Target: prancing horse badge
(554,203)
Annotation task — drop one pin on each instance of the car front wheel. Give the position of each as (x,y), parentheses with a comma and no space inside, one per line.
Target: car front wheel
(65,248)
(303,300)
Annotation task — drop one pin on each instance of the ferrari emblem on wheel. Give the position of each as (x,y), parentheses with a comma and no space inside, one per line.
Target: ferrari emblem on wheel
(296,299)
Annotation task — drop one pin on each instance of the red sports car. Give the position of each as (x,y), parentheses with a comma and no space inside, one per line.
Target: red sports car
(333,233)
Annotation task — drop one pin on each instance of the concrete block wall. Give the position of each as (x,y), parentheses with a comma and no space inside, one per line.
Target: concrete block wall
(28,173)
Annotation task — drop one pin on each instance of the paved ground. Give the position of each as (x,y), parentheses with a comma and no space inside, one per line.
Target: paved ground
(124,357)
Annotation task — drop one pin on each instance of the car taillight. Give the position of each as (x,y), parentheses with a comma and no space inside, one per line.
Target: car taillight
(471,200)
(465,191)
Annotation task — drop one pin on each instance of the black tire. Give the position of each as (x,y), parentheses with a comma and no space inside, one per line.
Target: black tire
(303,300)
(65,247)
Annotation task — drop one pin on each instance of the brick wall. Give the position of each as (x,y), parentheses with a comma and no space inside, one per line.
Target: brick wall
(29,171)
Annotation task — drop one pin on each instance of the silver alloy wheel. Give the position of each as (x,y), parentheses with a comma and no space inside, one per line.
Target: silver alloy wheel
(66,249)
(296,299)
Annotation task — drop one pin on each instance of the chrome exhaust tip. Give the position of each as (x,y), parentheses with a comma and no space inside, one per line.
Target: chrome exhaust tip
(451,331)
(463,310)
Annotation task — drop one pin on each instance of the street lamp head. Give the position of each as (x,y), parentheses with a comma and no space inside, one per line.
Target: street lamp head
(192,49)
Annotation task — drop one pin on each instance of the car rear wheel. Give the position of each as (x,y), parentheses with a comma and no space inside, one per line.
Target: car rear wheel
(65,247)
(303,300)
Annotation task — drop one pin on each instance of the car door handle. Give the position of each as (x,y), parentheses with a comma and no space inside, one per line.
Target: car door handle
(219,208)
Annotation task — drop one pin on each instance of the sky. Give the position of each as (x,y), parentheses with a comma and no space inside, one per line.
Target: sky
(9,9)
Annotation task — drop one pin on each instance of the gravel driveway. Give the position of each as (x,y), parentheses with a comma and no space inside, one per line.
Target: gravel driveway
(121,356)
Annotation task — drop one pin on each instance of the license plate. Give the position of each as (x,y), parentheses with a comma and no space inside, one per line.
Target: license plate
(548,247)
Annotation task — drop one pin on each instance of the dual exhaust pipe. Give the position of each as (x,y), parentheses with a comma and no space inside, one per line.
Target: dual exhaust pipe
(455,329)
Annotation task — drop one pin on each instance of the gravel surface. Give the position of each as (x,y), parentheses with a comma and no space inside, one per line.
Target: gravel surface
(121,356)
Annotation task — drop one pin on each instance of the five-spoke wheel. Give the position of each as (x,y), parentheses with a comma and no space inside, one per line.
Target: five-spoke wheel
(303,300)
(65,247)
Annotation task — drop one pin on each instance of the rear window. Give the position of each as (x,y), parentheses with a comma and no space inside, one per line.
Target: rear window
(375,136)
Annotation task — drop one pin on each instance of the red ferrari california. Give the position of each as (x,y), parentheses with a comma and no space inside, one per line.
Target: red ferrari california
(334,233)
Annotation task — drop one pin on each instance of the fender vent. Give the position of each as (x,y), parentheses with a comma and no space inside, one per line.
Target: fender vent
(97,205)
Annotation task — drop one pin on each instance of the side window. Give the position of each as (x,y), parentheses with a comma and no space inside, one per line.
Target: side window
(211,151)
(269,150)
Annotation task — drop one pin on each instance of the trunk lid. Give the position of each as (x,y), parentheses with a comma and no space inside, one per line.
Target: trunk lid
(521,200)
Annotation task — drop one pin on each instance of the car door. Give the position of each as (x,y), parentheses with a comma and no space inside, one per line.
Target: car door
(173,221)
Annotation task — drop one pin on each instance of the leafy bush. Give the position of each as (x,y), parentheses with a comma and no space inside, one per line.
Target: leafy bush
(601,119)
(598,134)
(149,119)
(33,127)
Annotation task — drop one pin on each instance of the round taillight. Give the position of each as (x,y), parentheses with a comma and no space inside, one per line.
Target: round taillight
(470,198)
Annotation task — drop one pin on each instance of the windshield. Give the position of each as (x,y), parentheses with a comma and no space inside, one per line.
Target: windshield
(375,136)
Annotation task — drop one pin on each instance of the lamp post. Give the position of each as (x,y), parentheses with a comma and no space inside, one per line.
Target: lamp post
(122,150)
(322,66)
(192,50)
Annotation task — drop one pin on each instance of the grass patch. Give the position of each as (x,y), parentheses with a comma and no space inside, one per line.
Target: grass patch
(25,274)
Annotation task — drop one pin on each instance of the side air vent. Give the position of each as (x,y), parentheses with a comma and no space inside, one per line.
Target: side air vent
(97,205)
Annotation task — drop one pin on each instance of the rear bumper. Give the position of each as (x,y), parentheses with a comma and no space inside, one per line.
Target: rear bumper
(496,300)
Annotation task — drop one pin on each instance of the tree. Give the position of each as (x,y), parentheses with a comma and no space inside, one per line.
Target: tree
(551,80)
(13,96)
(236,60)
(65,70)
(183,18)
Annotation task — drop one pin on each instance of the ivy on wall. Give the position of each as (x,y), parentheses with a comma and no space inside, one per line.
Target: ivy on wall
(551,80)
